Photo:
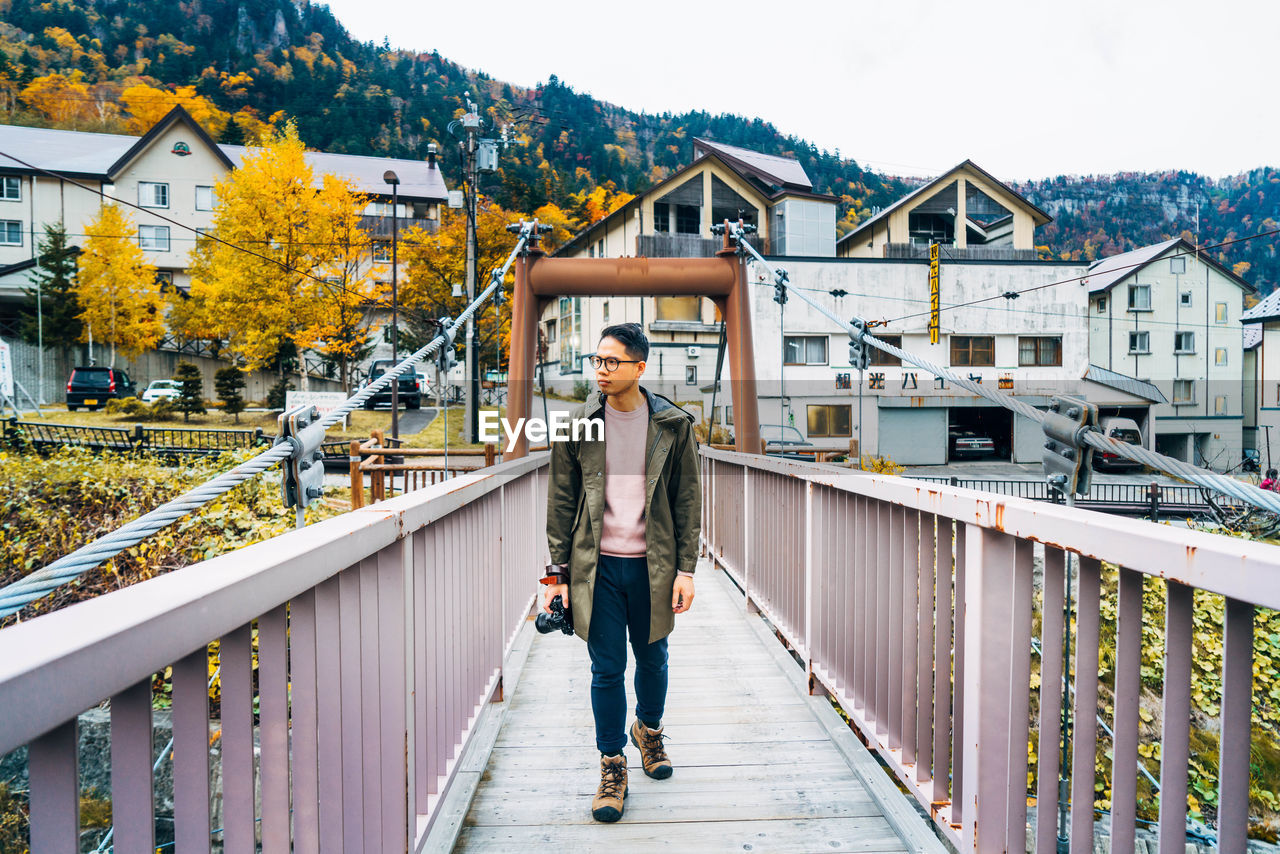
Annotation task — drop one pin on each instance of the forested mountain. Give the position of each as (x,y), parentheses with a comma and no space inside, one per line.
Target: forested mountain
(241,65)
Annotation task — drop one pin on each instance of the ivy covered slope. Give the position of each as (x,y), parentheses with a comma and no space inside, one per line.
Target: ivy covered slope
(262,59)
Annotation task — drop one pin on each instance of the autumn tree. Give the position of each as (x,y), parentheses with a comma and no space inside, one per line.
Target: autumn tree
(51,310)
(302,238)
(147,105)
(116,286)
(69,101)
(437,260)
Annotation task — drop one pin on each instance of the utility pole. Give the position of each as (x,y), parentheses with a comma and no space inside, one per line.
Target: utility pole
(391,178)
(479,155)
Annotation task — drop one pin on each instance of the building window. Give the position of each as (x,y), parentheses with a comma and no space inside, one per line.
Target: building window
(164,278)
(661,218)
(1139,342)
(551,332)
(381,251)
(1220,405)
(1184,391)
(1220,356)
(1178,266)
(690,374)
(1102,305)
(1184,342)
(154,237)
(1184,299)
(1220,313)
(880,357)
(604,311)
(204,198)
(829,420)
(687,309)
(688,219)
(11,188)
(973,351)
(1139,298)
(724,415)
(153,195)
(805,349)
(600,248)
(1041,351)
(10,232)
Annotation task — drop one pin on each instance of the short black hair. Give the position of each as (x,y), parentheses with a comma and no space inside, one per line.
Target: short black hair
(631,337)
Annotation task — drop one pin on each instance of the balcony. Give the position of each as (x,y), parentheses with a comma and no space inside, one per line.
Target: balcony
(951,253)
(380,226)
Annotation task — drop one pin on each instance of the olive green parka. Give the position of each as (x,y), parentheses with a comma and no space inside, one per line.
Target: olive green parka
(673,508)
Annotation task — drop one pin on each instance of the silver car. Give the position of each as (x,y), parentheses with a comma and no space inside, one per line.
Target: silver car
(158,389)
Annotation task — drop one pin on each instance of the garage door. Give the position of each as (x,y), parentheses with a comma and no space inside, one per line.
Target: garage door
(914,437)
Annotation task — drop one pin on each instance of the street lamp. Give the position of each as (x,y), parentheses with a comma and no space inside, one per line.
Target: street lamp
(394,180)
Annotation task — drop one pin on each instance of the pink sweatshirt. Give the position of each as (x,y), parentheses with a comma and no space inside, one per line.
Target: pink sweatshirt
(626,435)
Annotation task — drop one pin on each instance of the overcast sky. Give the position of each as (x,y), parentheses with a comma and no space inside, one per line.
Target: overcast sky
(1026,89)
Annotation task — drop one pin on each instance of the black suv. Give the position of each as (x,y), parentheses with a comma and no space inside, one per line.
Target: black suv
(92,387)
(410,391)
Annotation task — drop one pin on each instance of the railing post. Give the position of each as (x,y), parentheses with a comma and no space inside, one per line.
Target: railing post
(1153,493)
(139,437)
(490,454)
(807,628)
(357,476)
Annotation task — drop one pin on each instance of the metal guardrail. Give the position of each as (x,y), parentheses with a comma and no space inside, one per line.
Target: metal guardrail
(858,572)
(1128,498)
(171,441)
(378,635)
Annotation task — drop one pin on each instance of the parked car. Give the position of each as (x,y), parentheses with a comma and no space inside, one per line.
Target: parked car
(1125,430)
(967,443)
(792,442)
(91,386)
(171,389)
(410,391)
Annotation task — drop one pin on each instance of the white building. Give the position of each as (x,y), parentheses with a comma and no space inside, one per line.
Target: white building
(1171,316)
(170,172)
(1262,376)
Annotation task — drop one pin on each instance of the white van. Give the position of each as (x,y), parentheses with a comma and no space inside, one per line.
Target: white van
(1123,429)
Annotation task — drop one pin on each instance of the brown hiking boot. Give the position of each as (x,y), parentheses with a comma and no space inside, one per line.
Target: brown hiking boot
(608,803)
(652,755)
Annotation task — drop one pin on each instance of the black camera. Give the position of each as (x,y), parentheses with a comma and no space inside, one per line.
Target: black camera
(559,618)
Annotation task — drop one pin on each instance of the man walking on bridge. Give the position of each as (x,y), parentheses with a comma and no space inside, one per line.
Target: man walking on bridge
(623,519)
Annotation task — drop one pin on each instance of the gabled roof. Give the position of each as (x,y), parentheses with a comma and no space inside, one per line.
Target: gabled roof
(173,117)
(1268,309)
(759,180)
(1126,384)
(771,170)
(1108,272)
(102,156)
(921,193)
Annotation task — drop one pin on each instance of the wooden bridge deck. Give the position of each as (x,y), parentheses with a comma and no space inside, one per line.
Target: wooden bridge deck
(759,765)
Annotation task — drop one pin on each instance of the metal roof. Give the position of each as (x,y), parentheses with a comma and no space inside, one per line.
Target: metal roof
(67,151)
(1126,384)
(1268,309)
(1252,335)
(785,171)
(93,154)
(1107,272)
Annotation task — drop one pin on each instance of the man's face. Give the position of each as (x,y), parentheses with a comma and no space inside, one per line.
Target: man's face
(625,377)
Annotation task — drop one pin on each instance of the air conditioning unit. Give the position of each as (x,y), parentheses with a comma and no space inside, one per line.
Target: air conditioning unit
(693,352)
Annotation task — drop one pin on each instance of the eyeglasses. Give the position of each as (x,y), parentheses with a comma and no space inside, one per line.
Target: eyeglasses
(611,363)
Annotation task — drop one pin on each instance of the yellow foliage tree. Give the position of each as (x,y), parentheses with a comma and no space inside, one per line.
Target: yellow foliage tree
(147,105)
(435,261)
(116,286)
(563,226)
(275,298)
(67,101)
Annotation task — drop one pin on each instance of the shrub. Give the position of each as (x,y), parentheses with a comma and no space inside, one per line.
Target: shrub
(229,385)
(278,394)
(191,397)
(581,388)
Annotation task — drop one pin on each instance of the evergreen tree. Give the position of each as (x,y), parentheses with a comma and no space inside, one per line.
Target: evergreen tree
(228,383)
(54,283)
(191,396)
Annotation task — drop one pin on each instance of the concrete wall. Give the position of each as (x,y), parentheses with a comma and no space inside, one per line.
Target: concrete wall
(154,365)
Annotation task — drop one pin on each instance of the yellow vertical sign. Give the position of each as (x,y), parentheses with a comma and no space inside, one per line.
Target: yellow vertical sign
(933,293)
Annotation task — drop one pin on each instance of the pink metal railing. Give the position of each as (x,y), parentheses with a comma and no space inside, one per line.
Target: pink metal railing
(379,635)
(913,605)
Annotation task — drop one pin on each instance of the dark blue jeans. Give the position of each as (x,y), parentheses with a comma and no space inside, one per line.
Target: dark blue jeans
(621,602)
